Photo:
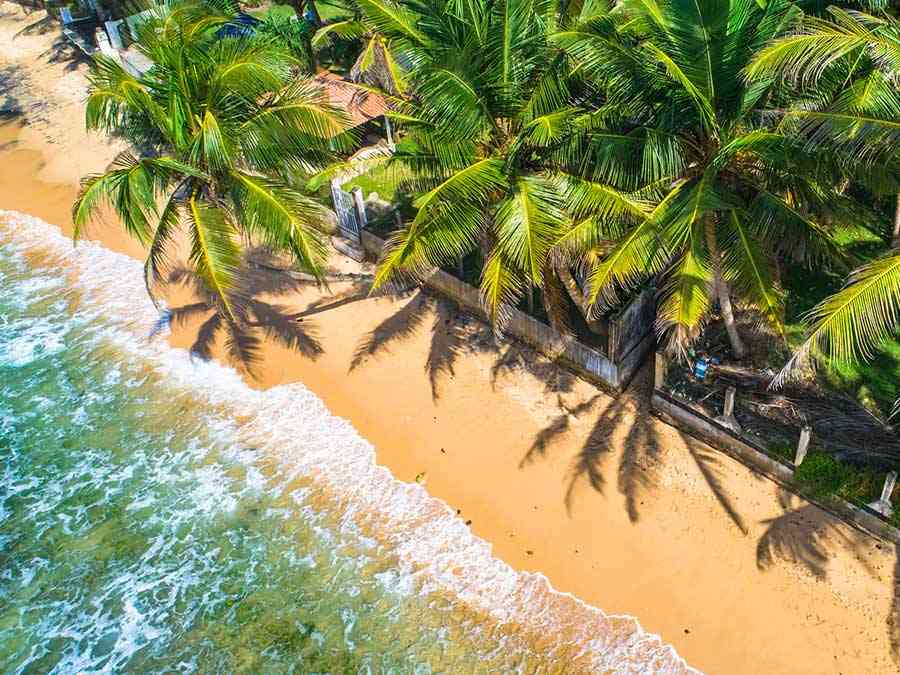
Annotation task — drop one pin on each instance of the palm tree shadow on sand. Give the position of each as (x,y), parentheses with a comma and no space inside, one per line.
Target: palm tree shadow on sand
(803,535)
(251,320)
(454,333)
(628,418)
(807,536)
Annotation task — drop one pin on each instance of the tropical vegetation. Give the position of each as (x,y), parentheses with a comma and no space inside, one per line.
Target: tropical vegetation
(225,126)
(569,151)
(850,62)
(611,144)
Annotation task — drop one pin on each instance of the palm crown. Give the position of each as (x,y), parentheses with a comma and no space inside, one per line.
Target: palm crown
(491,105)
(731,188)
(231,124)
(851,61)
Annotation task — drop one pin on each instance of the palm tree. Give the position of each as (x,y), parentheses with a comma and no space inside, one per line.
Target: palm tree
(488,104)
(729,191)
(861,115)
(225,124)
(379,61)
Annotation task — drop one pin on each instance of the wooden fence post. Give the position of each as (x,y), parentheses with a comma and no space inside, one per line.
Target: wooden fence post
(659,376)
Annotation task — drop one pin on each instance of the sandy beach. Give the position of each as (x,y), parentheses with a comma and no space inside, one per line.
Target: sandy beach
(611,504)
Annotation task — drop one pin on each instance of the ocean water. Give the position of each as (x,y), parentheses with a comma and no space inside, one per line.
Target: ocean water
(156,515)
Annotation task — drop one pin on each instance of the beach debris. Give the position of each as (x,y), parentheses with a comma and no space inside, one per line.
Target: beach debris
(421,478)
(529,552)
(468,522)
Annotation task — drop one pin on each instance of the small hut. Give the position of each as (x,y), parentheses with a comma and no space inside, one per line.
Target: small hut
(365,108)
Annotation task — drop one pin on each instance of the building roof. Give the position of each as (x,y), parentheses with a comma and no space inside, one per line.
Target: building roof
(359,103)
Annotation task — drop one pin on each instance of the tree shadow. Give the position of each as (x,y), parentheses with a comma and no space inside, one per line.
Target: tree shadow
(247,320)
(401,325)
(42,26)
(64,52)
(808,536)
(10,79)
(641,454)
(709,462)
(515,356)
(359,290)
(454,334)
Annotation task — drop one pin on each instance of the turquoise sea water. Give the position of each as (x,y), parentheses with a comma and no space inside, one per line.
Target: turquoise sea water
(158,516)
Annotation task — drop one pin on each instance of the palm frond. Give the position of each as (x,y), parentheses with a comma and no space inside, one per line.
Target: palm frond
(850,324)
(214,253)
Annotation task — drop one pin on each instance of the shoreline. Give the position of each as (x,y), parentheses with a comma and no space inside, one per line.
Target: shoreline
(433,540)
(612,506)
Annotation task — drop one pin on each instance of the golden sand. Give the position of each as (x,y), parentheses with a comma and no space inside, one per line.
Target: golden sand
(609,503)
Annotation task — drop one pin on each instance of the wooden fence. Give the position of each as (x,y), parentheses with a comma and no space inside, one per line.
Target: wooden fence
(720,432)
(588,362)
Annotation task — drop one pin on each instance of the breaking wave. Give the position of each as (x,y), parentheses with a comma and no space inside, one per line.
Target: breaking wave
(434,594)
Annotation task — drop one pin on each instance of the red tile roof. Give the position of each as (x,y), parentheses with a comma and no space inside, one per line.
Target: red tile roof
(361,104)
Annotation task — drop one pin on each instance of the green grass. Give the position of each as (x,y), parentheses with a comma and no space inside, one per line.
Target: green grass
(378,180)
(821,474)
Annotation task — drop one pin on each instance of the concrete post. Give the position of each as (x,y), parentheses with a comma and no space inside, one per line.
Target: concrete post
(360,205)
(802,445)
(389,133)
(727,418)
(659,377)
(729,402)
(115,37)
(884,505)
(398,219)
(889,482)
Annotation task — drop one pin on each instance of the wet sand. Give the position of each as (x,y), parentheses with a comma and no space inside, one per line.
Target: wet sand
(612,505)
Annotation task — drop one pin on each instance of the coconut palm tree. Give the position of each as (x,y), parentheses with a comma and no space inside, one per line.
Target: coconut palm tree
(380,60)
(730,191)
(225,125)
(861,115)
(489,102)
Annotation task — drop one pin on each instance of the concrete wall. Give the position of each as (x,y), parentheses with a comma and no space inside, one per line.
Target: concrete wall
(629,327)
(587,362)
(747,452)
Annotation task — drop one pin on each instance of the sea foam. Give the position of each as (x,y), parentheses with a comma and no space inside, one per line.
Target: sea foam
(435,551)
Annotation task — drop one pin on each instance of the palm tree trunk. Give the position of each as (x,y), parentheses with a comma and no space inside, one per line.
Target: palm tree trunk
(895,240)
(722,291)
(579,298)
